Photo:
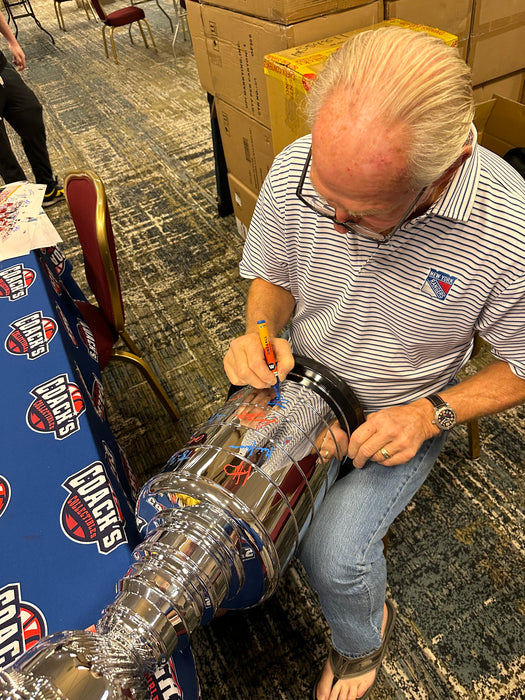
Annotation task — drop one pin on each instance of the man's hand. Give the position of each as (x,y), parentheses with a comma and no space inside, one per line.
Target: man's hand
(19,59)
(332,442)
(244,362)
(398,430)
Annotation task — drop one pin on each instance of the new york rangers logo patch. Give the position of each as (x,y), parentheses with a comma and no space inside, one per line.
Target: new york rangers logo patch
(438,284)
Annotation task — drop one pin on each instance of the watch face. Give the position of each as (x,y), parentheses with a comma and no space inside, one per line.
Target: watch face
(446,418)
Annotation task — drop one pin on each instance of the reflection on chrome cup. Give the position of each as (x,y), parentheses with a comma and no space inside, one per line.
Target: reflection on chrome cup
(219,526)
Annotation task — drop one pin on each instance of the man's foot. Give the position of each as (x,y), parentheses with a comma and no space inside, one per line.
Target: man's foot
(349,688)
(54,193)
(355,676)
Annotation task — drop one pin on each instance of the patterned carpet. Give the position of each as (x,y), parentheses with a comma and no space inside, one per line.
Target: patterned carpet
(456,555)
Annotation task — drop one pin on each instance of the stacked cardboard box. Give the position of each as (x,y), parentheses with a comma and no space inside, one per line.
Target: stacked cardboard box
(230,39)
(452,16)
(501,124)
(496,50)
(290,73)
(491,37)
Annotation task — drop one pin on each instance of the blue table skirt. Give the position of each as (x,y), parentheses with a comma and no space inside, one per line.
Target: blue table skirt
(67,494)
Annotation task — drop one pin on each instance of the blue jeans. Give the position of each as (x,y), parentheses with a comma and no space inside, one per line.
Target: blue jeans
(342,551)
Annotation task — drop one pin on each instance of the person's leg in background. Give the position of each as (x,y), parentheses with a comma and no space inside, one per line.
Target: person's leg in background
(23,111)
(342,551)
(10,168)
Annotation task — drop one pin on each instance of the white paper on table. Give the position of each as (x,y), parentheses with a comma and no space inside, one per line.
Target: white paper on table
(24,225)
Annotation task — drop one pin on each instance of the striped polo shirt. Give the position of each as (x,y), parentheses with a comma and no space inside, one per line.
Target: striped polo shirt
(396,321)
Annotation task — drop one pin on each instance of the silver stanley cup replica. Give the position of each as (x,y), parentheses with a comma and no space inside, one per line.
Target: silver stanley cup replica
(219,526)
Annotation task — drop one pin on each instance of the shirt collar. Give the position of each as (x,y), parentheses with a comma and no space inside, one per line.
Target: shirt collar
(457,200)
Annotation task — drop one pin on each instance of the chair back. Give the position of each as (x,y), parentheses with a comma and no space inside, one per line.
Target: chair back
(86,198)
(96,5)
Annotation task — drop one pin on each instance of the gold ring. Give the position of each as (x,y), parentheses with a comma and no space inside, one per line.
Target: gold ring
(386,454)
(326,453)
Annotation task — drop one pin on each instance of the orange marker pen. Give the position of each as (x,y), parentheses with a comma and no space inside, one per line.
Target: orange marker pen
(268,352)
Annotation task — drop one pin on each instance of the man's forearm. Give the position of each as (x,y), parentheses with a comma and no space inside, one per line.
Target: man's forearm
(493,389)
(19,59)
(5,30)
(402,429)
(270,302)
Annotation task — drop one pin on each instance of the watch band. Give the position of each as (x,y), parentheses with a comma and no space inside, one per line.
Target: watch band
(436,400)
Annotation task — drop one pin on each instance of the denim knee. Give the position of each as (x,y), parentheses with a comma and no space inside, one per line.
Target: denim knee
(333,560)
(334,576)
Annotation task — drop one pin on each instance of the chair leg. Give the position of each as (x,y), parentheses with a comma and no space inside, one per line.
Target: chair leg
(112,29)
(150,34)
(165,13)
(60,16)
(88,9)
(184,22)
(105,41)
(151,378)
(139,22)
(473,439)
(130,343)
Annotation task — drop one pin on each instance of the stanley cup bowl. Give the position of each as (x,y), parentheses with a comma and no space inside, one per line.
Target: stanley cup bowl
(219,526)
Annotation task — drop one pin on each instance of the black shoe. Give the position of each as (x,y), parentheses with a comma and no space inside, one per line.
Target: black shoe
(54,193)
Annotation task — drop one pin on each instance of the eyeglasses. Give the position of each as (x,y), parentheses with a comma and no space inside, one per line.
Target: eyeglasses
(318,204)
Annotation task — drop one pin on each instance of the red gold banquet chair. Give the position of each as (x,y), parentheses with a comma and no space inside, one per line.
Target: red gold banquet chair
(121,18)
(60,17)
(86,198)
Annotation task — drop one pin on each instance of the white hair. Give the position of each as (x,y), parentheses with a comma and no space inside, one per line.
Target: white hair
(407,78)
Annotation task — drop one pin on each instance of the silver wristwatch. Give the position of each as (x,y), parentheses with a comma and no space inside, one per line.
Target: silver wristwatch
(445,416)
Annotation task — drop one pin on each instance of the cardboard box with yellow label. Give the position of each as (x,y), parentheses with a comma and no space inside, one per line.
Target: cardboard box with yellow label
(290,73)
(237,44)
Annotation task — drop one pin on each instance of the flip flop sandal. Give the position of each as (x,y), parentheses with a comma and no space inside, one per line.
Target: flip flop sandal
(342,667)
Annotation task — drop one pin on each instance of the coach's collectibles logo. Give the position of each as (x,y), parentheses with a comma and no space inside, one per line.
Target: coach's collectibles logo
(97,397)
(57,258)
(22,624)
(15,281)
(91,513)
(57,407)
(31,335)
(163,685)
(438,284)
(55,282)
(5,495)
(66,325)
(112,464)
(88,339)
